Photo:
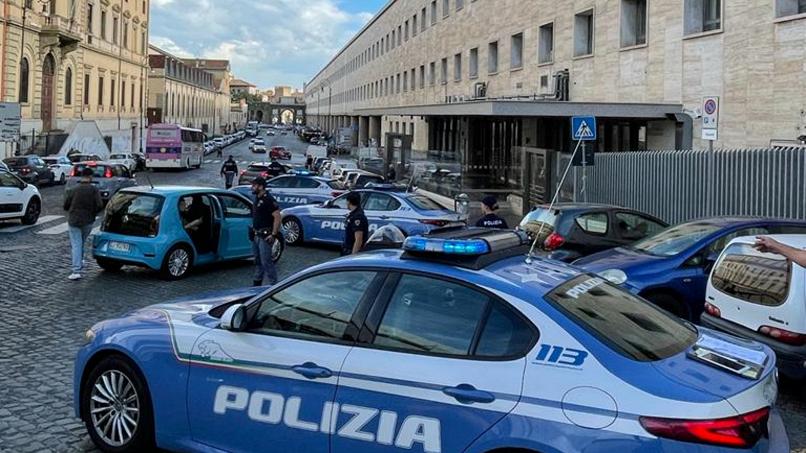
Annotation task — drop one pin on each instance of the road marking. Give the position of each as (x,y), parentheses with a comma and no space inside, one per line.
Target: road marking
(58,229)
(216,161)
(42,220)
(208,161)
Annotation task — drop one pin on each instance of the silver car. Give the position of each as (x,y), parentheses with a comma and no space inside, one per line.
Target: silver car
(108,177)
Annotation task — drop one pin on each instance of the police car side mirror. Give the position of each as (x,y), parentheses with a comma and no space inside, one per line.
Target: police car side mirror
(234,319)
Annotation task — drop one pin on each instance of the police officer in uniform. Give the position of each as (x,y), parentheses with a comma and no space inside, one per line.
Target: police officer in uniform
(265,230)
(490,219)
(228,171)
(356,231)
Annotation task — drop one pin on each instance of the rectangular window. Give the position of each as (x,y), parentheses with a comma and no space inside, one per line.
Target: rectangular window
(446,8)
(434,12)
(457,67)
(90,11)
(394,40)
(112,92)
(444,73)
(432,78)
(785,8)
(100,91)
(700,16)
(633,22)
(413,79)
(516,52)
(414,26)
(460,4)
(115,30)
(422,19)
(143,43)
(86,89)
(406,31)
(545,52)
(125,34)
(422,76)
(405,81)
(132,101)
(492,57)
(123,94)
(103,24)
(474,63)
(397,84)
(583,33)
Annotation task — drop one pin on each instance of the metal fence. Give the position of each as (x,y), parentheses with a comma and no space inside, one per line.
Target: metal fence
(678,186)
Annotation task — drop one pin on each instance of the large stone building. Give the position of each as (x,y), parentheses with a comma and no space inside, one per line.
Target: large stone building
(474,78)
(181,94)
(222,77)
(239,87)
(71,63)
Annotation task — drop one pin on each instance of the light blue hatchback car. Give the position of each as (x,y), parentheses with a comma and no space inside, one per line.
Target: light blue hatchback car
(173,229)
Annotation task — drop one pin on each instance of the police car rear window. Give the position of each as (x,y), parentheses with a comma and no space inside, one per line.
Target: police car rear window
(627,324)
(424,203)
(257,168)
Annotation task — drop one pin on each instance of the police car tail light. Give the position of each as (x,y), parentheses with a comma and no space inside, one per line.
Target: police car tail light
(468,247)
(108,172)
(336,193)
(434,222)
(554,241)
(784,336)
(713,310)
(742,431)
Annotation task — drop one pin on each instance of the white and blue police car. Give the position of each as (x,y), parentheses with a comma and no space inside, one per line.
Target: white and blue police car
(298,189)
(383,204)
(453,344)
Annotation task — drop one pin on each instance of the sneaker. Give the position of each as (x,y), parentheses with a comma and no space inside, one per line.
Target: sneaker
(74,277)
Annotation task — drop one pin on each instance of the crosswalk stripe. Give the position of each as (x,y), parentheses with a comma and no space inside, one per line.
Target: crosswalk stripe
(216,161)
(58,229)
(42,220)
(208,161)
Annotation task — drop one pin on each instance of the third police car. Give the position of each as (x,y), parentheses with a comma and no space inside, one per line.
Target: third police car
(383,204)
(298,189)
(454,344)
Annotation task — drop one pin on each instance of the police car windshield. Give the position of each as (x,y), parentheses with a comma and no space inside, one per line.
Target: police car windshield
(625,323)
(424,203)
(674,241)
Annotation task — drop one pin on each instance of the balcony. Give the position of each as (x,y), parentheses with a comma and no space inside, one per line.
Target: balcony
(61,32)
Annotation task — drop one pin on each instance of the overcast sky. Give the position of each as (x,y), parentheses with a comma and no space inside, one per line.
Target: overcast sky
(268,42)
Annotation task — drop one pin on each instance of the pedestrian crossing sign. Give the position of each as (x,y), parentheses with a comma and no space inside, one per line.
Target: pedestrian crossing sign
(583,128)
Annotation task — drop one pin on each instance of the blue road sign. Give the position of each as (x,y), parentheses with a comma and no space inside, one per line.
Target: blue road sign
(583,128)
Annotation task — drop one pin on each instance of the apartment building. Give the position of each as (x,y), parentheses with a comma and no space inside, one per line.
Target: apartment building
(75,61)
(471,79)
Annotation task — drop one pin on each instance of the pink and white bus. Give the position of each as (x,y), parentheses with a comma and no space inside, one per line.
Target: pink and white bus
(173,146)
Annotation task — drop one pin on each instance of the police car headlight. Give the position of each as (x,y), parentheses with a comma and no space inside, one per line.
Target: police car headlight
(89,336)
(615,276)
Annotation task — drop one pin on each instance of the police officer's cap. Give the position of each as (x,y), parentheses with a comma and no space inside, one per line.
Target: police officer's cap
(259,181)
(491,202)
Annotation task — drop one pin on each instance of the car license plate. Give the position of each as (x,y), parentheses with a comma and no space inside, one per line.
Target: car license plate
(119,247)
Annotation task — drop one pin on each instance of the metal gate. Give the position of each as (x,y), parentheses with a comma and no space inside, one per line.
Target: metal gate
(536,176)
(678,186)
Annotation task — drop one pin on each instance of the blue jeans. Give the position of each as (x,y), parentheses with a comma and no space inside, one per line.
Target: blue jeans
(264,266)
(78,237)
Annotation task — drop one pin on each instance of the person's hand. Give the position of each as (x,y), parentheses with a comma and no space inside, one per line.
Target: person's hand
(766,244)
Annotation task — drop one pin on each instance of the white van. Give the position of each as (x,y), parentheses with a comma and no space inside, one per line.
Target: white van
(762,297)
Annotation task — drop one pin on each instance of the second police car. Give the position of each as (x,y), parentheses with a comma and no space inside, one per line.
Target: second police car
(411,212)
(454,344)
(298,189)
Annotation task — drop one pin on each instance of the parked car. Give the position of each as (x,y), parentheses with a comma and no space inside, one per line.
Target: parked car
(18,199)
(762,297)
(270,133)
(31,169)
(280,152)
(80,157)
(264,169)
(298,190)
(570,231)
(61,167)
(373,164)
(107,176)
(147,227)
(3,166)
(357,179)
(220,142)
(671,268)
(124,159)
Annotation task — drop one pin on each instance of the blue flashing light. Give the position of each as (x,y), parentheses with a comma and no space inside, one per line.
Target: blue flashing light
(470,247)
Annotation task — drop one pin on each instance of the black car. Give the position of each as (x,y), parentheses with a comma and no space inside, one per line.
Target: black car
(572,230)
(31,169)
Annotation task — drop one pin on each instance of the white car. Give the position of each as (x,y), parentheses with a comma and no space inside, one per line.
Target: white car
(61,167)
(19,200)
(762,297)
(123,159)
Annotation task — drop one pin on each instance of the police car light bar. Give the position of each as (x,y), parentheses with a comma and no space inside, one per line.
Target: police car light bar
(469,247)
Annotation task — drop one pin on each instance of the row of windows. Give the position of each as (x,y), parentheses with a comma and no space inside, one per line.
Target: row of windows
(113,102)
(700,16)
(118,28)
(182,105)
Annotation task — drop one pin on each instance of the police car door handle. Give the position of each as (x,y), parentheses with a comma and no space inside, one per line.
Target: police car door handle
(312,371)
(384,217)
(467,394)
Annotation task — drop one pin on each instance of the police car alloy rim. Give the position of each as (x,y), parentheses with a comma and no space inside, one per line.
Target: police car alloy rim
(291,231)
(114,408)
(178,262)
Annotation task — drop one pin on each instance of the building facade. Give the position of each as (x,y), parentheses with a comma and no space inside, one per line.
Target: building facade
(75,61)
(475,78)
(239,87)
(180,94)
(222,77)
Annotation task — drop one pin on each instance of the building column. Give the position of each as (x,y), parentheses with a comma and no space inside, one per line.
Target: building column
(354,128)
(375,129)
(363,130)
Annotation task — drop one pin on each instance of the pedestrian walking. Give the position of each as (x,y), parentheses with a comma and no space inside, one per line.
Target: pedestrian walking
(356,231)
(219,151)
(490,219)
(309,163)
(228,171)
(82,204)
(265,230)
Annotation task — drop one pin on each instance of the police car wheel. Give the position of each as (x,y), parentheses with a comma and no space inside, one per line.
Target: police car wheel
(177,263)
(292,229)
(116,407)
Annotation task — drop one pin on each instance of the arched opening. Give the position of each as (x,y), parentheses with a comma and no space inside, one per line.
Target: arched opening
(24,80)
(287,117)
(48,71)
(259,116)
